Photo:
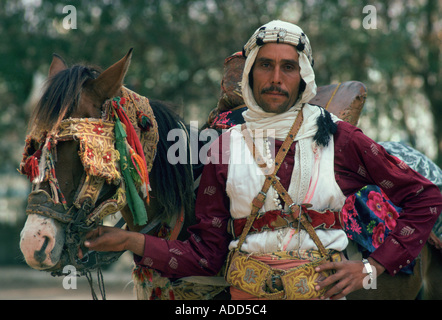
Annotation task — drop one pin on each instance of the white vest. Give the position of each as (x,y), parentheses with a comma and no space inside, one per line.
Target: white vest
(312,181)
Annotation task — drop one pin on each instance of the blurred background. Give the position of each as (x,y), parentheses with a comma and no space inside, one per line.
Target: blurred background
(179,46)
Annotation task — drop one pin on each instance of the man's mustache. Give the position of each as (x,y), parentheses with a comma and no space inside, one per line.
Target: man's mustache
(274,89)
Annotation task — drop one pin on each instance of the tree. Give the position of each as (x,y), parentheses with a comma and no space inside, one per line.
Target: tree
(180,45)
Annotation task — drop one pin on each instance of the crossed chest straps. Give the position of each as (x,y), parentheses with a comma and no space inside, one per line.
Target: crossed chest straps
(297,212)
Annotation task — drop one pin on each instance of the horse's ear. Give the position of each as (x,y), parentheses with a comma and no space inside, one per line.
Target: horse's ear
(57,65)
(109,82)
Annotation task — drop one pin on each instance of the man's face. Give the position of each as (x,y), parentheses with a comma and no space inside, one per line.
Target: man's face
(276,77)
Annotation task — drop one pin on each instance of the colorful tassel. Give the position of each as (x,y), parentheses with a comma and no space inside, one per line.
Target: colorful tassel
(31,166)
(142,172)
(143,121)
(134,201)
(131,136)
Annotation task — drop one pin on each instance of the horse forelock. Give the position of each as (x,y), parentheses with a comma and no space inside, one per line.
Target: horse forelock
(60,98)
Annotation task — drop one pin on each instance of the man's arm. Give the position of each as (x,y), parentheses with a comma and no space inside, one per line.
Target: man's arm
(359,161)
(202,254)
(114,239)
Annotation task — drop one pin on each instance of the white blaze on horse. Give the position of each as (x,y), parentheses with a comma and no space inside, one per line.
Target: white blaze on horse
(41,242)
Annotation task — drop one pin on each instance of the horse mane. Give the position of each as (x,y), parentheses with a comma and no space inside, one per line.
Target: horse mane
(173,184)
(60,98)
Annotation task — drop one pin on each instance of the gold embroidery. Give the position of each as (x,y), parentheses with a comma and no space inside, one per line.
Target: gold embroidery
(97,150)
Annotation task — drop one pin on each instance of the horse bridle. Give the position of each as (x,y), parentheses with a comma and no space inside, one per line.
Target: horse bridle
(100,172)
(83,215)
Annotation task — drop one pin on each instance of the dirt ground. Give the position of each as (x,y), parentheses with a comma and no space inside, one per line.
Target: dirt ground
(24,283)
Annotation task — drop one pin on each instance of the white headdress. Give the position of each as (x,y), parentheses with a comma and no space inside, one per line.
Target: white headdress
(277,32)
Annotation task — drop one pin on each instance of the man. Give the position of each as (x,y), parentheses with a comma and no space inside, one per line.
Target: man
(319,161)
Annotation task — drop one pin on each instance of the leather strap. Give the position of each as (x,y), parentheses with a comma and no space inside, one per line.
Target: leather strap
(302,217)
(298,212)
(259,200)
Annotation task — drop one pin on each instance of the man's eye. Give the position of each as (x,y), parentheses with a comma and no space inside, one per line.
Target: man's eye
(289,67)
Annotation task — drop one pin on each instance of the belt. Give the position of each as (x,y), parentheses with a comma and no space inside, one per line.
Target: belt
(275,219)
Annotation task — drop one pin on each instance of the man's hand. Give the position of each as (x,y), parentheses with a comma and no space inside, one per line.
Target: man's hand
(349,277)
(114,239)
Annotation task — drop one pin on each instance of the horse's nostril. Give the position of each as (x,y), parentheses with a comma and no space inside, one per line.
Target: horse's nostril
(40,255)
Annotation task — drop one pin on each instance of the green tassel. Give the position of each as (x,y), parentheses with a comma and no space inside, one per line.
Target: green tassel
(136,204)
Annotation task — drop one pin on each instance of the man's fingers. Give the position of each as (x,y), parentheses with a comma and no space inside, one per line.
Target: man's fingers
(93,243)
(92,238)
(336,291)
(80,253)
(94,233)
(327,266)
(327,281)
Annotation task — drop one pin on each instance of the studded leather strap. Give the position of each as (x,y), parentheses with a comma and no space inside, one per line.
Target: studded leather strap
(259,200)
(298,212)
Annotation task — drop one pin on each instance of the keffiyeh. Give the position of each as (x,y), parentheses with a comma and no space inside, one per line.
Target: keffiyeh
(279,32)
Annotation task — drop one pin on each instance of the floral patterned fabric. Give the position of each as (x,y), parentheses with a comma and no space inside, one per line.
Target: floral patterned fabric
(228,119)
(368,217)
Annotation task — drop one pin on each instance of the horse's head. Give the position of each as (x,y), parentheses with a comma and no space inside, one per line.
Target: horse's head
(73,162)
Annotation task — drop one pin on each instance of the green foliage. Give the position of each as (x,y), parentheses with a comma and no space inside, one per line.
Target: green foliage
(180,45)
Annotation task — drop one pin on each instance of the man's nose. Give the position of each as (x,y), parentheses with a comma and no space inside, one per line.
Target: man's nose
(276,75)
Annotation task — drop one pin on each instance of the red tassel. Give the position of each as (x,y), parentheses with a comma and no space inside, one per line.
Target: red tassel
(31,166)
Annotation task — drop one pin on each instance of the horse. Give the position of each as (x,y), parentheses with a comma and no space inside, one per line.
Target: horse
(79,174)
